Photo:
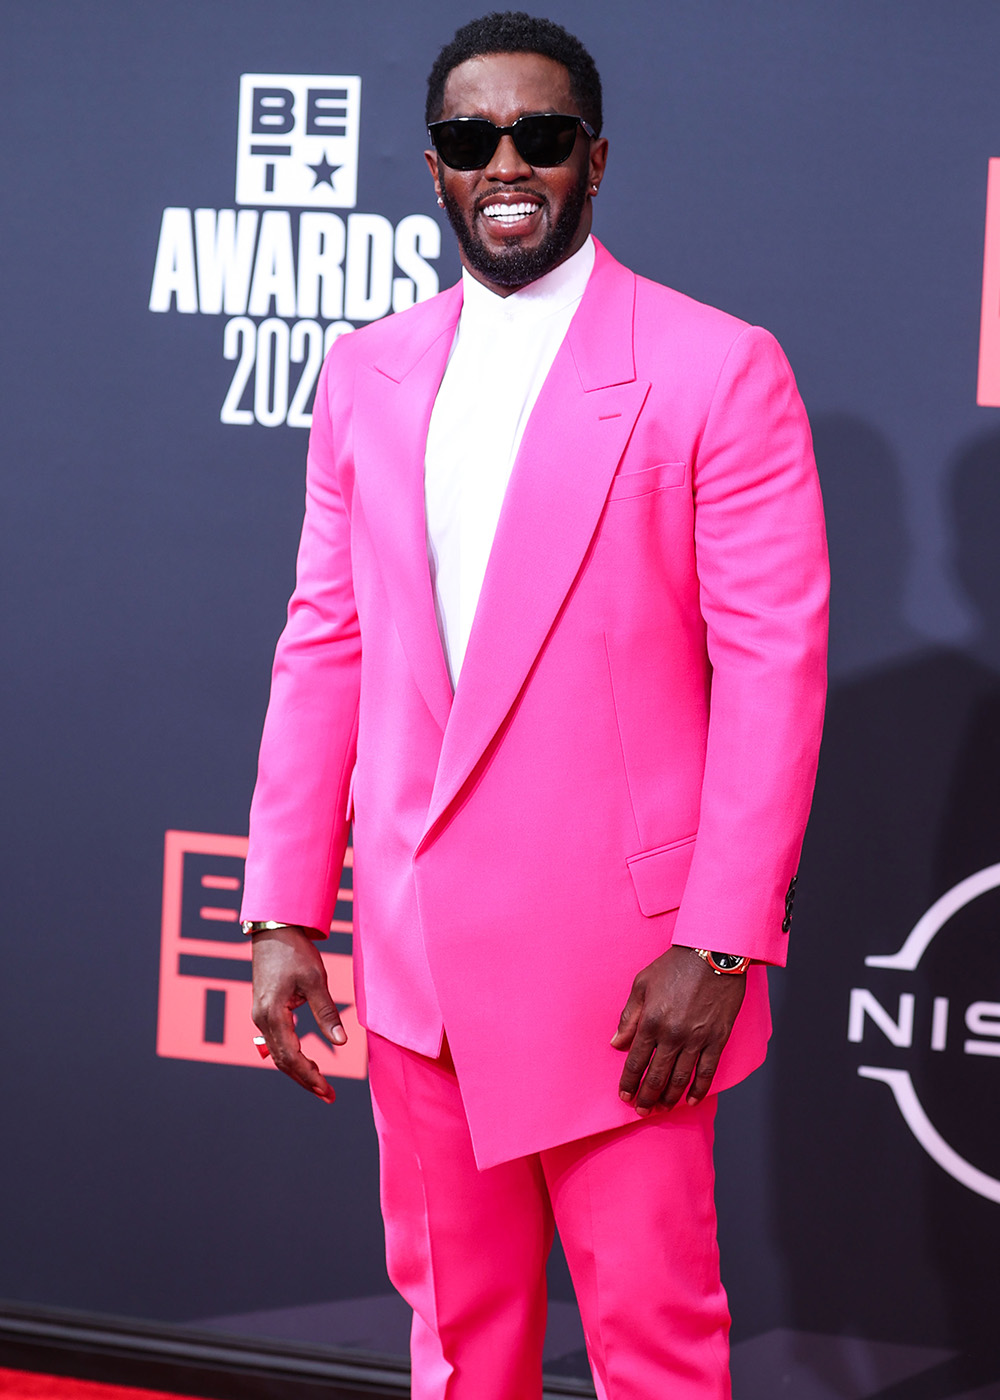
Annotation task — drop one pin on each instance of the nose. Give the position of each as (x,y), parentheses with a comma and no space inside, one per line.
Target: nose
(507,164)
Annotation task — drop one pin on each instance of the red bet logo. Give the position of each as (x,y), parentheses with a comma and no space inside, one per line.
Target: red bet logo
(205,995)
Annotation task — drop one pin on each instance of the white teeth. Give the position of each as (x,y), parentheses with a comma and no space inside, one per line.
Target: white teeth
(509,213)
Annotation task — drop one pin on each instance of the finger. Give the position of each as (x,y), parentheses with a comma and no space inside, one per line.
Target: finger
(671,1066)
(680,1077)
(628,1021)
(305,1072)
(708,1063)
(278,1029)
(636,1064)
(327,1016)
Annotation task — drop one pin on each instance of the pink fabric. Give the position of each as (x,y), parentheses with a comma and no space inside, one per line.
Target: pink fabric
(523,848)
(467,1249)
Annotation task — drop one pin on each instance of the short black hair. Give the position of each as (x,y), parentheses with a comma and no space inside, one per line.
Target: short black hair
(514,31)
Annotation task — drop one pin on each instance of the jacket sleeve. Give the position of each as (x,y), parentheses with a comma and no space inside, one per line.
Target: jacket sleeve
(763,579)
(298,819)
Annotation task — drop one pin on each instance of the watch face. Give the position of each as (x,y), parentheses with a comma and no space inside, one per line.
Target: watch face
(727,962)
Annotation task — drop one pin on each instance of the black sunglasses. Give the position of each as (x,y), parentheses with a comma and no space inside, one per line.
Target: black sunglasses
(468,143)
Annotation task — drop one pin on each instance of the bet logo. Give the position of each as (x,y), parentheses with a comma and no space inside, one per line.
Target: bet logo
(289,273)
(936,1023)
(205,968)
(298,141)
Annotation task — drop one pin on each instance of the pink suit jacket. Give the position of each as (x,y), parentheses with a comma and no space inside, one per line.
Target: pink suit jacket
(630,751)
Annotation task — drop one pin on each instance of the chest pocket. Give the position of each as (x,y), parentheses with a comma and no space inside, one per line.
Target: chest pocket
(627,485)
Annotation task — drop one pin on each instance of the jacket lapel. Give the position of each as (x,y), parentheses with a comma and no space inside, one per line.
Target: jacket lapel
(574,440)
(393,399)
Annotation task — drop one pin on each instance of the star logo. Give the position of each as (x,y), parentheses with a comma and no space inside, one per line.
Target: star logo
(323,172)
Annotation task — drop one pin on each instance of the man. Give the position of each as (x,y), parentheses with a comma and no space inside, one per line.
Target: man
(557,647)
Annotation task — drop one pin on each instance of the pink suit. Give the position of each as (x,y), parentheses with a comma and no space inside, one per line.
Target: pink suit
(630,752)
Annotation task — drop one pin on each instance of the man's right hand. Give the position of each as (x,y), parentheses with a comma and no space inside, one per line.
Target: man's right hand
(288,972)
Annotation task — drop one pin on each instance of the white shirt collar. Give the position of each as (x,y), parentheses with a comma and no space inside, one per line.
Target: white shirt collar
(556,290)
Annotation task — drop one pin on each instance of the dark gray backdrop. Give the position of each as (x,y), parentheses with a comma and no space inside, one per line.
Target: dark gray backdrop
(818,168)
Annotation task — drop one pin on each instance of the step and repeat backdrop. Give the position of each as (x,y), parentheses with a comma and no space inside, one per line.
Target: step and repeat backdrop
(199,198)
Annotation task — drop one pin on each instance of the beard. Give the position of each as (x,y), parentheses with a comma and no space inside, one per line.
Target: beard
(517,266)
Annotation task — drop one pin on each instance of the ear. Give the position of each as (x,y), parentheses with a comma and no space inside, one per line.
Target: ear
(434,166)
(598,159)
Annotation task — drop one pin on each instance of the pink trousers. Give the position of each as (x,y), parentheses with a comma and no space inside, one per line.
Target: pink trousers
(467,1248)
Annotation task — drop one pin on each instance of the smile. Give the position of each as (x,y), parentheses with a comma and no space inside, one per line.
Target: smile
(509,213)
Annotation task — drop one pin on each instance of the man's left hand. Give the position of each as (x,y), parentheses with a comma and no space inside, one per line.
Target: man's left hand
(675,1025)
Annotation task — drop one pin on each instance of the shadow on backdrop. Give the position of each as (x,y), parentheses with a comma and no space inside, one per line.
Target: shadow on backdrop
(878,1240)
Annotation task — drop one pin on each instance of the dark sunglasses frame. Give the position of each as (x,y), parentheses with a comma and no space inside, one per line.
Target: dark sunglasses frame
(544,125)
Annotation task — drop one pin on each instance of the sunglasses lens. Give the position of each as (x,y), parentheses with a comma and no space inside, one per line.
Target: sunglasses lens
(469,143)
(545,140)
(465,145)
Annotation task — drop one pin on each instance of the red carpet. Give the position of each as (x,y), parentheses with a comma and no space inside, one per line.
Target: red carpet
(26,1385)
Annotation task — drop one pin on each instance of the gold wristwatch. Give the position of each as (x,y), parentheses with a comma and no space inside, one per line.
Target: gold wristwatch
(723,964)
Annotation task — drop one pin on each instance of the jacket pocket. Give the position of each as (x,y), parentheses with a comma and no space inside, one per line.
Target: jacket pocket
(659,875)
(643,483)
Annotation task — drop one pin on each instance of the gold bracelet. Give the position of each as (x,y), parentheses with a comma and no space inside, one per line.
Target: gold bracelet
(252,926)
